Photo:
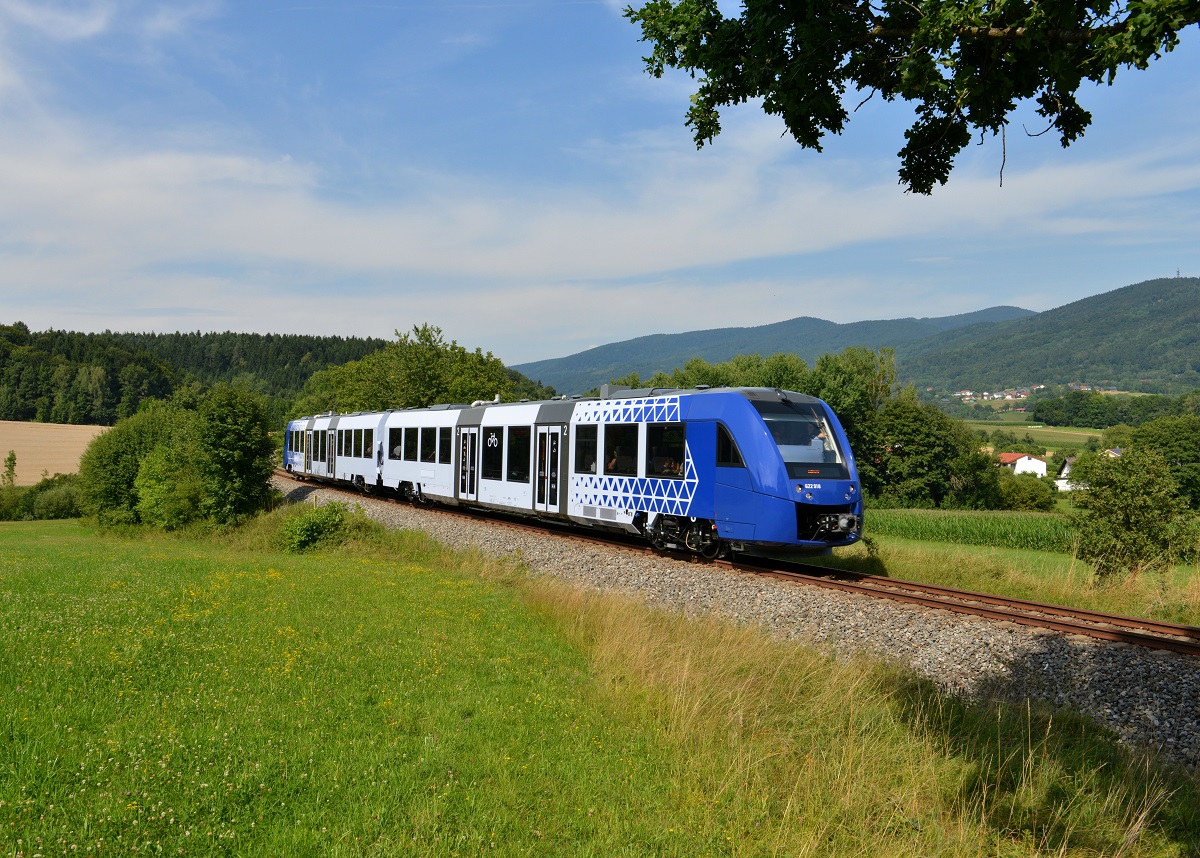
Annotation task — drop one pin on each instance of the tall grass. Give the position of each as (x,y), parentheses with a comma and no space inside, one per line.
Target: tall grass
(390,697)
(1035,531)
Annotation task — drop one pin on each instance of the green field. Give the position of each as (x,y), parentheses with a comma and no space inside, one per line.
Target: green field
(1054,438)
(196,697)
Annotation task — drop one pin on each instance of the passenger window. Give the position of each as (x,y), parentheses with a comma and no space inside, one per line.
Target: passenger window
(519,449)
(621,449)
(395,440)
(428,445)
(585,449)
(727,451)
(368,443)
(410,445)
(492,464)
(665,450)
(358,443)
(444,449)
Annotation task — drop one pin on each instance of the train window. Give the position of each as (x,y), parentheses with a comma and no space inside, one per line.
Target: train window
(585,449)
(428,445)
(492,464)
(320,446)
(621,449)
(804,437)
(445,451)
(343,444)
(395,437)
(357,444)
(410,445)
(664,450)
(368,443)
(519,448)
(728,455)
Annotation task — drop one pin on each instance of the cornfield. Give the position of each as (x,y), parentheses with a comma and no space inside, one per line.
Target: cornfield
(1037,531)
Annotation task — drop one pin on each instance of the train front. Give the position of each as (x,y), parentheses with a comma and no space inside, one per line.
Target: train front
(802,465)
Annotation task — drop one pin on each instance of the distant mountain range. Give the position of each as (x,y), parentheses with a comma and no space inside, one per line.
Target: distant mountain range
(1144,337)
(808,337)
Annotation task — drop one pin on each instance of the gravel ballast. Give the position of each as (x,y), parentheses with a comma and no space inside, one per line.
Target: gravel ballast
(1149,698)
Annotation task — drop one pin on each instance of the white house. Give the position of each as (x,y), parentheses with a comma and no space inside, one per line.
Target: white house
(1023,463)
(1063,480)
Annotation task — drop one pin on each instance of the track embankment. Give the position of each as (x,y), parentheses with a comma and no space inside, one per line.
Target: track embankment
(1147,697)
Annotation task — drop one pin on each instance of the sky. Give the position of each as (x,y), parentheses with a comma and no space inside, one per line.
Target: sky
(507,171)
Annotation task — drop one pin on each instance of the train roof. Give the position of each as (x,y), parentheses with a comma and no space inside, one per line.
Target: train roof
(607,391)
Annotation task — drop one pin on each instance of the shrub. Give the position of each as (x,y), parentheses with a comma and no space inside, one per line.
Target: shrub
(235,455)
(313,526)
(54,497)
(168,488)
(1132,518)
(203,455)
(110,464)
(1025,492)
(10,502)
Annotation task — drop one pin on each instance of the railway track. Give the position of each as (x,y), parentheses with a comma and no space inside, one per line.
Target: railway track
(1077,621)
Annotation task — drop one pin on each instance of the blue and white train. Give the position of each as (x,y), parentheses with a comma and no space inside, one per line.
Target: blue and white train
(706,470)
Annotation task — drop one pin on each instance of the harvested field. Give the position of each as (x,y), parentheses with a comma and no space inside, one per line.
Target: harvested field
(52,448)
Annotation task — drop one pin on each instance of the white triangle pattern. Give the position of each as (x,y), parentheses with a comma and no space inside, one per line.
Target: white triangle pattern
(669,497)
(659,409)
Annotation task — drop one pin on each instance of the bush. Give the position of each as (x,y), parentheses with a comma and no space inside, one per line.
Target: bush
(168,488)
(314,526)
(235,455)
(54,498)
(1132,518)
(110,465)
(10,503)
(1025,492)
(203,455)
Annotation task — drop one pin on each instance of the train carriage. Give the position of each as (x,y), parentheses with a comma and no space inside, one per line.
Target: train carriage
(706,470)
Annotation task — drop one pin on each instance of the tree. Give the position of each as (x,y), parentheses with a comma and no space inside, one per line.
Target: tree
(1132,518)
(418,370)
(202,455)
(10,470)
(235,454)
(964,65)
(929,459)
(109,466)
(1177,439)
(168,486)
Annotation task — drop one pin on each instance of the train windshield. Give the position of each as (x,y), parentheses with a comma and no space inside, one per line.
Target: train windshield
(805,439)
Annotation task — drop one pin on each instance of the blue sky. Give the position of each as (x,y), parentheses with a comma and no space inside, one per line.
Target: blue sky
(507,171)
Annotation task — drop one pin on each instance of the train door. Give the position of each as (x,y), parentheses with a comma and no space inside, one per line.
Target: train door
(549,447)
(468,458)
(331,452)
(308,442)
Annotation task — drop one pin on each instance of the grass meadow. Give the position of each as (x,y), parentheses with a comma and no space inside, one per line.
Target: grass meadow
(1055,438)
(215,696)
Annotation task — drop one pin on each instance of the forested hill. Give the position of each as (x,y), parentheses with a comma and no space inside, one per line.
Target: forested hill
(1144,337)
(67,377)
(808,337)
(278,363)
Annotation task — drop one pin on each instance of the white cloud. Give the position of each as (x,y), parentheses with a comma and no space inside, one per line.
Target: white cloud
(62,21)
(177,18)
